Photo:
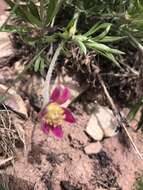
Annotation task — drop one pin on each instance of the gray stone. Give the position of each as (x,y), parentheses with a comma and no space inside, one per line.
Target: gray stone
(102,123)
(106,121)
(93,148)
(93,129)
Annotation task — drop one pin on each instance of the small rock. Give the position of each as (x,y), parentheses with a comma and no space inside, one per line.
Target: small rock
(93,148)
(107,121)
(13,100)
(93,129)
(102,123)
(6,47)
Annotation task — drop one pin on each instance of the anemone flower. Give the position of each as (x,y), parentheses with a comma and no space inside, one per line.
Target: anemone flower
(54,114)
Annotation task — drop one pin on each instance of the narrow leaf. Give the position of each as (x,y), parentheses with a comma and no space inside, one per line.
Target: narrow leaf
(97,27)
(81,46)
(135,109)
(104,48)
(34,9)
(140,123)
(111,39)
(37,64)
(103,34)
(52,10)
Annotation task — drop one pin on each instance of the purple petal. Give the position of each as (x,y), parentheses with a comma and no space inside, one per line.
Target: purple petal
(60,95)
(55,94)
(68,116)
(45,127)
(57,131)
(42,112)
(64,96)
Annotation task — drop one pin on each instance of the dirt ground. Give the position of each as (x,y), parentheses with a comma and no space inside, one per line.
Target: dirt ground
(48,163)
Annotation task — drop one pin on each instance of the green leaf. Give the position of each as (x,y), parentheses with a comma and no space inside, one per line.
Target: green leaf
(108,56)
(30,40)
(37,64)
(81,46)
(110,39)
(80,38)
(18,29)
(32,19)
(52,10)
(23,12)
(103,48)
(112,58)
(98,27)
(92,30)
(104,33)
(140,123)
(49,39)
(135,109)
(42,65)
(33,9)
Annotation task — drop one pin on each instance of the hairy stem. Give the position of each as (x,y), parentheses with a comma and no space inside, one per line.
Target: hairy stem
(49,74)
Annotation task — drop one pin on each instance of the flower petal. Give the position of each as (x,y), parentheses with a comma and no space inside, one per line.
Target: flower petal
(55,94)
(45,127)
(64,95)
(68,116)
(57,131)
(60,94)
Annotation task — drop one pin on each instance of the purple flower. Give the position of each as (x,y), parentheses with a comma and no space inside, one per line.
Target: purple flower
(53,114)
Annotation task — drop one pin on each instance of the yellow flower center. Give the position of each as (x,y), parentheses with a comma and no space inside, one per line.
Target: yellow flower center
(54,115)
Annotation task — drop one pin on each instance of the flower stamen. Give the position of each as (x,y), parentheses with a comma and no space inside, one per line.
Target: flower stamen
(54,115)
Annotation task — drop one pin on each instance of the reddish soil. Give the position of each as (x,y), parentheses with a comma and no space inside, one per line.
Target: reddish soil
(50,163)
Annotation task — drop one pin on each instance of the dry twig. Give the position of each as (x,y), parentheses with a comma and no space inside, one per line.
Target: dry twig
(5,161)
(122,122)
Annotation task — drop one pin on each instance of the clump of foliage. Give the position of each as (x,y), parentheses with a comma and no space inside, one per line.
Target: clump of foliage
(37,19)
